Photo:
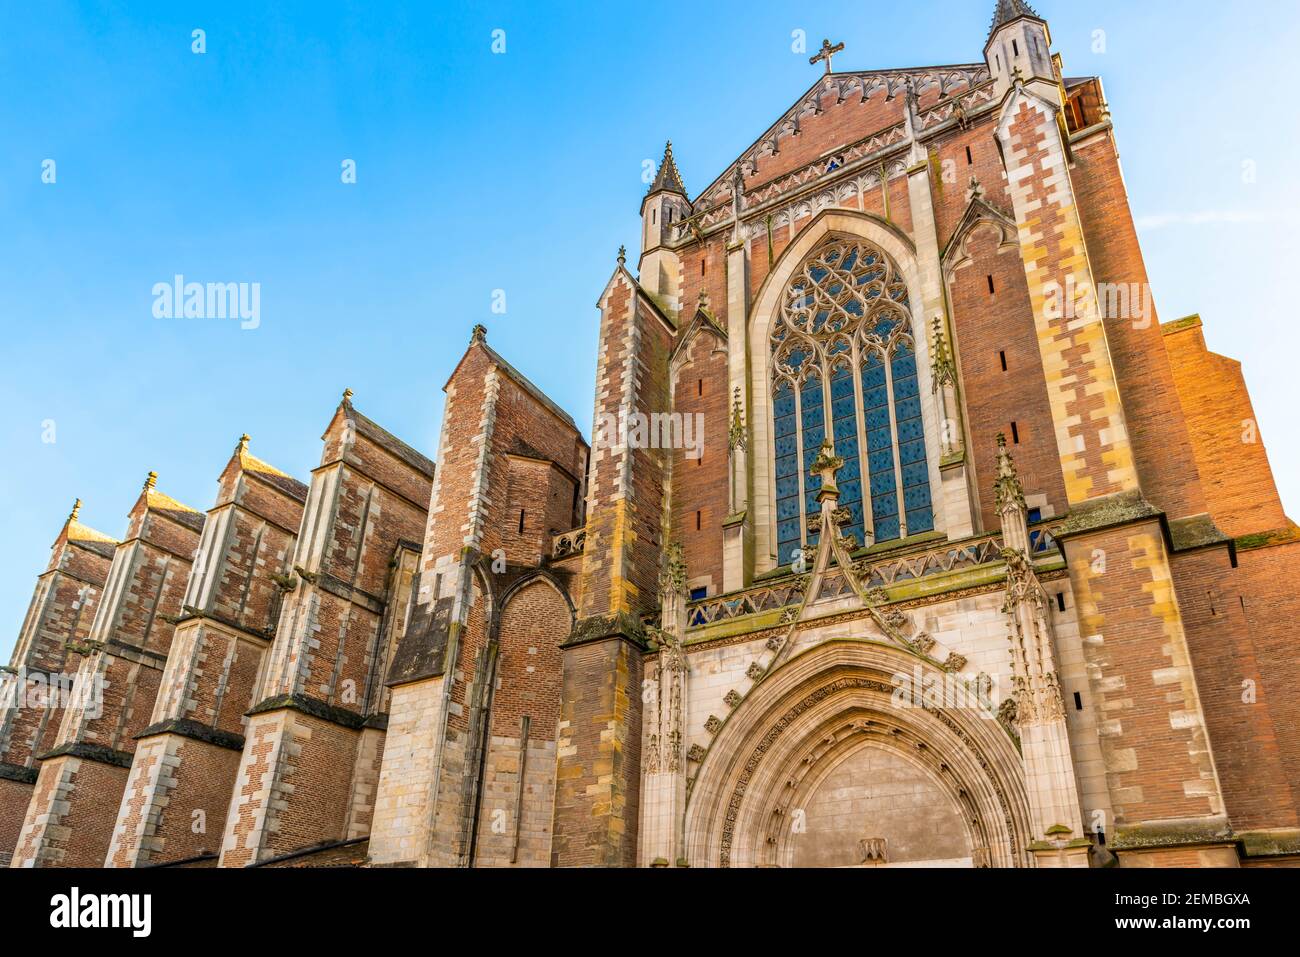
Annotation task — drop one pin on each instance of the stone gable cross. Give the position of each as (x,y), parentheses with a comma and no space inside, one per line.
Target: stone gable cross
(827,51)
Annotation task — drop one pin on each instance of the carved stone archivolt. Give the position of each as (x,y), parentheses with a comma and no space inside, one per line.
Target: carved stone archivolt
(840,696)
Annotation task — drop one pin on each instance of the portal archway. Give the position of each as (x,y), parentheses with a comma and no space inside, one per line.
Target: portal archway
(833,704)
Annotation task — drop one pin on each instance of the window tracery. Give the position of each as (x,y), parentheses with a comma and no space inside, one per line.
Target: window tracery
(844,365)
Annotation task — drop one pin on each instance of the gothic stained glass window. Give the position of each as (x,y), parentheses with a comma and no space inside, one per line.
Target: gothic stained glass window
(845,366)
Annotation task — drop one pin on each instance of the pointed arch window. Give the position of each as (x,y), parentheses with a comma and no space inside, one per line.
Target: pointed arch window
(844,365)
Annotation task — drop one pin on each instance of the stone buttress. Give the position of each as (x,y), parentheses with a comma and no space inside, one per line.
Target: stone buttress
(70,820)
(469,768)
(314,740)
(184,767)
(33,687)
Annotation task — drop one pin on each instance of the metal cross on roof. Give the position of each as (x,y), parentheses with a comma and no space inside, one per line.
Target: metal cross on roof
(827,51)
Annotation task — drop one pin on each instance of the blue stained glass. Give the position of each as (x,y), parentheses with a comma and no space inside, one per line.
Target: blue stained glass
(911,439)
(787,471)
(887,529)
(880,449)
(814,434)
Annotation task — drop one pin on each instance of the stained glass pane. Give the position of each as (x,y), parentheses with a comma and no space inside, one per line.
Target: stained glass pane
(844,415)
(911,443)
(880,449)
(813,427)
(787,471)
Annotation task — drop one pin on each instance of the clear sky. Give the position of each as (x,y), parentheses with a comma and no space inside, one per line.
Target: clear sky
(480,171)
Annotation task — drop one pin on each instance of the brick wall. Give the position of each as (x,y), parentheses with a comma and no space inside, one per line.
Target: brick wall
(1229,449)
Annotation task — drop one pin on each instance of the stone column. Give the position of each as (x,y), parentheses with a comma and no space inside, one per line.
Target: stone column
(738,529)
(1035,707)
(663,766)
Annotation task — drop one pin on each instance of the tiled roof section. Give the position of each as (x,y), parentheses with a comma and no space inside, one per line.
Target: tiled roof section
(523,381)
(273,476)
(387,441)
(89,538)
(156,501)
(668,178)
(1009,10)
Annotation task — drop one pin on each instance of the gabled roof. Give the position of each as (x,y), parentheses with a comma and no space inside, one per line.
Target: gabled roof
(157,501)
(385,439)
(1008,10)
(478,337)
(703,319)
(87,537)
(269,473)
(863,84)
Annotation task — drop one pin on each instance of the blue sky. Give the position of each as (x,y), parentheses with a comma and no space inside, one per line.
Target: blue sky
(478,172)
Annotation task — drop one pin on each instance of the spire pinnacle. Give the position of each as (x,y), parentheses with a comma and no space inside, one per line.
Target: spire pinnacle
(347,396)
(243,443)
(668,178)
(1007,490)
(1008,10)
(478,333)
(151,481)
(76,510)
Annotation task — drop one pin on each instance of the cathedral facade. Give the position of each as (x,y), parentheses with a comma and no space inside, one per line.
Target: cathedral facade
(907,535)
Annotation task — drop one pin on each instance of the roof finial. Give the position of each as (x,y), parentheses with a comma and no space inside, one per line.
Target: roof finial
(478,333)
(151,481)
(347,396)
(704,299)
(76,510)
(243,443)
(622,255)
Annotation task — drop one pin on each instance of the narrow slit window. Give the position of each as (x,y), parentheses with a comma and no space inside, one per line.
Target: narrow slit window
(970,157)
(1015,434)
(1002,357)
(1078,701)
(699,520)
(1015,47)
(1060,601)
(702,264)
(992,288)
(521,521)
(701,386)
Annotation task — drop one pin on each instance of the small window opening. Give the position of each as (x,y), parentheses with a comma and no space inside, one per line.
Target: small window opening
(970,158)
(1002,357)
(698,593)
(699,520)
(992,288)
(1060,601)
(1015,48)
(702,264)
(1078,701)
(521,521)
(1015,434)
(701,386)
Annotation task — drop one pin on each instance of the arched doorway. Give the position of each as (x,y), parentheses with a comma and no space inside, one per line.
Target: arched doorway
(825,755)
